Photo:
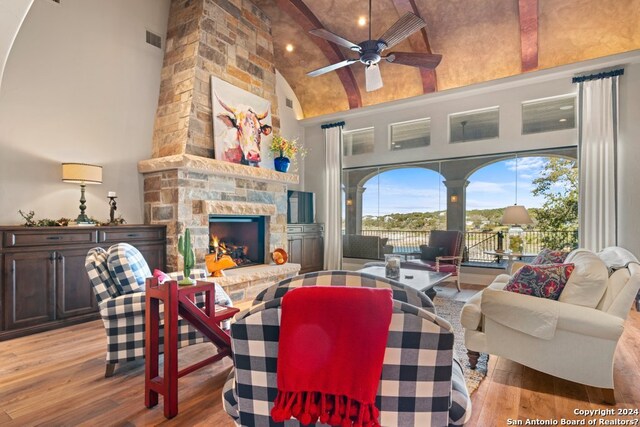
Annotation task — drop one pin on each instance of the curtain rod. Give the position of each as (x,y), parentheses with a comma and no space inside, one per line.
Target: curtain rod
(598,76)
(332,125)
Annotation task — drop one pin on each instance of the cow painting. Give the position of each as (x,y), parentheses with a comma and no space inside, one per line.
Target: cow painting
(241,125)
(243,138)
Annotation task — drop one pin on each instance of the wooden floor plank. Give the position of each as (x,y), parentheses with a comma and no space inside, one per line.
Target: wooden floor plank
(536,396)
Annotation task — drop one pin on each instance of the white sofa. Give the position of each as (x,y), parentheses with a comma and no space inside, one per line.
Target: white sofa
(573,338)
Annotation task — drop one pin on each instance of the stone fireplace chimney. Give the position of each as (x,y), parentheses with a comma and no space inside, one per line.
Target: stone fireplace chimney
(183,183)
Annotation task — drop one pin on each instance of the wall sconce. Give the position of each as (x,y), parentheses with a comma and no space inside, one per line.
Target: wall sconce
(454,198)
(349,202)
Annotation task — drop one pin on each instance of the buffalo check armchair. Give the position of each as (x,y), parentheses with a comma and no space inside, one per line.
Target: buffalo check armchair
(421,383)
(117,278)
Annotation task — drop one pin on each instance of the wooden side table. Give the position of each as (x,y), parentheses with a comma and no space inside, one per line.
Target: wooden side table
(179,300)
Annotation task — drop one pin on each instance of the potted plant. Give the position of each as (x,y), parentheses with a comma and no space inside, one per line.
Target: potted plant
(286,150)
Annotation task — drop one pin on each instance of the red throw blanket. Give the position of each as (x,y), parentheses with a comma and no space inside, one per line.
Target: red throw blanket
(330,354)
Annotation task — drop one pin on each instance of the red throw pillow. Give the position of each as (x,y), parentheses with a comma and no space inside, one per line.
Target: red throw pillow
(161,276)
(547,256)
(543,281)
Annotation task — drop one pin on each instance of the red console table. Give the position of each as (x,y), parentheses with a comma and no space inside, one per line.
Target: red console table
(178,300)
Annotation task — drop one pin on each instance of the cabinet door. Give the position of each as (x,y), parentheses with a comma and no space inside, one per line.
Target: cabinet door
(29,288)
(295,249)
(74,295)
(154,254)
(313,253)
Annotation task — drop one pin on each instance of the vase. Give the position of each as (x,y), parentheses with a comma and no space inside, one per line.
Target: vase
(281,163)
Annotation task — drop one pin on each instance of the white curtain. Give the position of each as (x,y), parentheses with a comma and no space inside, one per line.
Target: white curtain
(333,198)
(597,157)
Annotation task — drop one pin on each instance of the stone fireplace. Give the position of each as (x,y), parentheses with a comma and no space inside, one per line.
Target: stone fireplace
(184,187)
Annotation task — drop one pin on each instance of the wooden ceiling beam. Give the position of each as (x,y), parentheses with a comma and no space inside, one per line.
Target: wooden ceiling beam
(419,44)
(301,14)
(528,14)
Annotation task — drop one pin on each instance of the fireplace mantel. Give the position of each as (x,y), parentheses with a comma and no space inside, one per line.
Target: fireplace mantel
(193,163)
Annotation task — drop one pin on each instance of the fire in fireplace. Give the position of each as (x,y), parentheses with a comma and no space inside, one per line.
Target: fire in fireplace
(240,237)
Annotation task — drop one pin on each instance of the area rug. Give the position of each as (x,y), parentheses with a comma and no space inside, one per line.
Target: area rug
(450,310)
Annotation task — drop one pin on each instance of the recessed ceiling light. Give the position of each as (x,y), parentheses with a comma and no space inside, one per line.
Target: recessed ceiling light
(289,47)
(362,21)
(562,120)
(567,107)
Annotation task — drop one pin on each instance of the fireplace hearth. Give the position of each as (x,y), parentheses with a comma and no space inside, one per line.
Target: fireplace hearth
(242,237)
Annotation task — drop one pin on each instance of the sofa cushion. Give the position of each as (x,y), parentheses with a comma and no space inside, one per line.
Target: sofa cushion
(548,256)
(430,253)
(128,268)
(542,281)
(589,279)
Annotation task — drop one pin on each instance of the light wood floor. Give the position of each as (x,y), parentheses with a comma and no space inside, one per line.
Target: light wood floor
(56,378)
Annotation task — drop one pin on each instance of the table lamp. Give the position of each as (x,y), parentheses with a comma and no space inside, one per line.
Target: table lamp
(515,216)
(82,173)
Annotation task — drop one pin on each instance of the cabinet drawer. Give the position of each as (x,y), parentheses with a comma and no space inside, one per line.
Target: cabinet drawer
(44,238)
(131,235)
(295,228)
(313,228)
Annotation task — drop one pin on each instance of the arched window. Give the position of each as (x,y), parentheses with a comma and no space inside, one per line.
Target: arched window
(392,209)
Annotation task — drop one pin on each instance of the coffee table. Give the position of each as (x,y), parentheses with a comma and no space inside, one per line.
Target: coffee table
(421,280)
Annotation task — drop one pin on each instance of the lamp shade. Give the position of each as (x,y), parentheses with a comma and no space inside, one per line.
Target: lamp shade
(81,173)
(516,214)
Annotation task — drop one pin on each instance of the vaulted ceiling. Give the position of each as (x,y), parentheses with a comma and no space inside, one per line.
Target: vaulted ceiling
(480,40)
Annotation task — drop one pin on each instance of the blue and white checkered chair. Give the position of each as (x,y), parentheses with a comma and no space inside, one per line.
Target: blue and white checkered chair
(421,383)
(118,277)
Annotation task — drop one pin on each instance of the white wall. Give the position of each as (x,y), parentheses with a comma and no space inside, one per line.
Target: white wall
(12,13)
(289,121)
(80,85)
(507,93)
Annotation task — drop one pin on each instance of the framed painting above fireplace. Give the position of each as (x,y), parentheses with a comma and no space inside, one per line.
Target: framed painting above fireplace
(242,129)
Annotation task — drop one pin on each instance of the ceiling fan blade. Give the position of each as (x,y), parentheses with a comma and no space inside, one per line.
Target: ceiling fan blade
(403,28)
(373,78)
(334,38)
(331,67)
(414,59)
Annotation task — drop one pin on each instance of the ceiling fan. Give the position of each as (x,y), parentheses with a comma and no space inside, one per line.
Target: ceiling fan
(370,50)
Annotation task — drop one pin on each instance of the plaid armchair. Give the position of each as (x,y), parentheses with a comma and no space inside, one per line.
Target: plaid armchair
(114,276)
(421,383)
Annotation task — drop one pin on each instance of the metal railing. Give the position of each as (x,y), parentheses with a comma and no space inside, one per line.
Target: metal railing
(476,242)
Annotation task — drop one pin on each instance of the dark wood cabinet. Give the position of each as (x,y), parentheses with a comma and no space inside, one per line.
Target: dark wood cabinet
(29,291)
(306,246)
(43,281)
(73,296)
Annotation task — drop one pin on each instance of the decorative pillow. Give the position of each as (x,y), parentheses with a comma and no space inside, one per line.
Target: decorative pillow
(589,280)
(128,268)
(547,256)
(161,276)
(543,281)
(429,253)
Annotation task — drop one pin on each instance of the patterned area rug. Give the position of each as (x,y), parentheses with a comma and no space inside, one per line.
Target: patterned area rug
(450,310)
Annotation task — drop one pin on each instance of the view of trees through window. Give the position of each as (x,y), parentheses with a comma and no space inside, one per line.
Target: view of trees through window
(393,209)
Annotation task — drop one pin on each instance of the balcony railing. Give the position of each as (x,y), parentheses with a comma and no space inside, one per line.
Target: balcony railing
(476,242)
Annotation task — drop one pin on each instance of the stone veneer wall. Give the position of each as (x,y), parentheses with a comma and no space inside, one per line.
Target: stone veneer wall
(182,191)
(230,39)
